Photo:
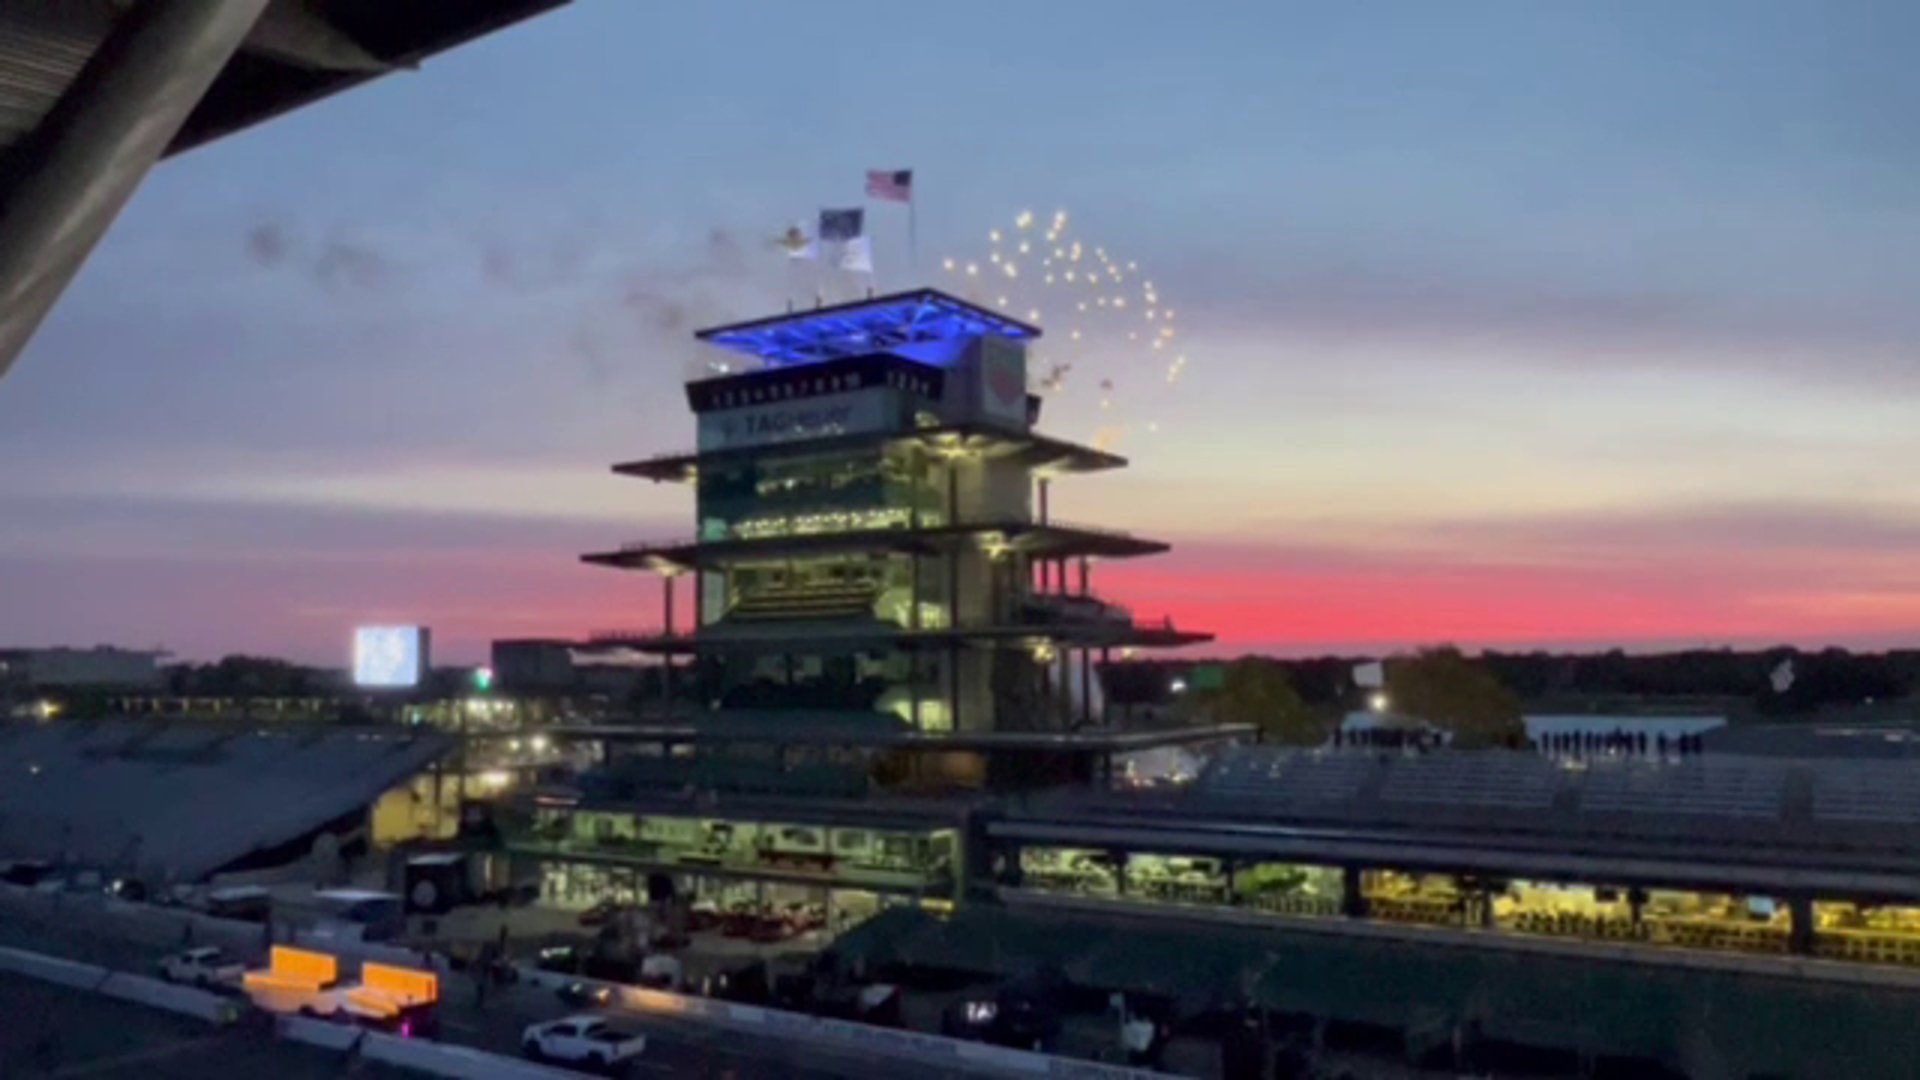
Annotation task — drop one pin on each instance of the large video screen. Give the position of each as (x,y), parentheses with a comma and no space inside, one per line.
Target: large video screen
(389,656)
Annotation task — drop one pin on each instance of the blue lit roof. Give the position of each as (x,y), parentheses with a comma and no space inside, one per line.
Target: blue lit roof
(864,326)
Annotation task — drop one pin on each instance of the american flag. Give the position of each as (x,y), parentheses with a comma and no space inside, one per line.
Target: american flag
(894,184)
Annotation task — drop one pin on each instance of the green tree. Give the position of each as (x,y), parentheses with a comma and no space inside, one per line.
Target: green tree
(1443,687)
(1258,692)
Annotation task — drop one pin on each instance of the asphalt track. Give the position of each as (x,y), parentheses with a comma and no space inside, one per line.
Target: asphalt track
(674,1048)
(52,1031)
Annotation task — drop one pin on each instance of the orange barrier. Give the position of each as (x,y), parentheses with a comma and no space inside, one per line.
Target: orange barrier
(384,990)
(404,984)
(289,968)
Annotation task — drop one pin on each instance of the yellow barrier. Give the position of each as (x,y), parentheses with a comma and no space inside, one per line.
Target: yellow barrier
(406,984)
(289,968)
(288,961)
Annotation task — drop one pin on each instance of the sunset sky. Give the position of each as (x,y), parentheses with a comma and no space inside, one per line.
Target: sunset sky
(1510,323)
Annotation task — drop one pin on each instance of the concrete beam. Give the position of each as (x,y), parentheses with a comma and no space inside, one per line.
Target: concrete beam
(296,32)
(61,188)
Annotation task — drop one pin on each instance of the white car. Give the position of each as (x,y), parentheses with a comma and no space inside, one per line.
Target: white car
(205,967)
(581,1040)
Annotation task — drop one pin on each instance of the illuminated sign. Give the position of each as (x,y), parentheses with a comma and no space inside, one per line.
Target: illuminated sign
(806,418)
(389,657)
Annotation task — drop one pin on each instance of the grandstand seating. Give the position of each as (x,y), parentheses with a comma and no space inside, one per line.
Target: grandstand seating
(184,799)
(1868,792)
(1274,780)
(1518,781)
(1746,788)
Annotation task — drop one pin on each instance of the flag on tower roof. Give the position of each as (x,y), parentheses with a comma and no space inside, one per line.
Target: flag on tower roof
(895,185)
(839,226)
(856,256)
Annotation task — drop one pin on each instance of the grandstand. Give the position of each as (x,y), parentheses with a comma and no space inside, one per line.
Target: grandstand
(179,802)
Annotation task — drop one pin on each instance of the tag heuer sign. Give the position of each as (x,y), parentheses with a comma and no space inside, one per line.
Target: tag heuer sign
(790,421)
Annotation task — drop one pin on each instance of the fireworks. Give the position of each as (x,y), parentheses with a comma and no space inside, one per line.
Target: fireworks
(1104,321)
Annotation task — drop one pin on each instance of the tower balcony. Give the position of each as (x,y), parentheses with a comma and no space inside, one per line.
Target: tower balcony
(839,636)
(1039,540)
(1042,454)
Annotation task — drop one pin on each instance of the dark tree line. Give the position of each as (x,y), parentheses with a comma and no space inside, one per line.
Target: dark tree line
(244,677)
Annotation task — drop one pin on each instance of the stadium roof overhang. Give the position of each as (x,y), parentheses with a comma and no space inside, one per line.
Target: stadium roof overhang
(861,327)
(184,800)
(1036,539)
(812,728)
(94,92)
(1044,455)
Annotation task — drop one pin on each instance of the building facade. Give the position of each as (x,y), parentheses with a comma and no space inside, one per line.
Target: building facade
(874,619)
(872,531)
(101,667)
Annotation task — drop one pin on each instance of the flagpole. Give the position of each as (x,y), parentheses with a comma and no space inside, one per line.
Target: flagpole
(913,244)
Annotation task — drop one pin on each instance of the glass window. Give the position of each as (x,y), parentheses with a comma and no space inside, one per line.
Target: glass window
(1395,896)
(1079,871)
(1560,909)
(1177,879)
(1716,921)
(1289,888)
(1867,933)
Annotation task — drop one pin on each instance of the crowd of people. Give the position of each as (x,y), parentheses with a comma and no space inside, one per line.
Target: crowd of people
(1619,742)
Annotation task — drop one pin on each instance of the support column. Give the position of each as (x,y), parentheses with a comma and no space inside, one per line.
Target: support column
(1800,924)
(1044,482)
(65,184)
(913,621)
(913,684)
(1063,657)
(666,658)
(953,588)
(1353,902)
(1086,686)
(1084,563)
(953,687)
(913,591)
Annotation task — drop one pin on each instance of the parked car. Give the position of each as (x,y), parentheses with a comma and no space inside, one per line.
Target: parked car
(209,968)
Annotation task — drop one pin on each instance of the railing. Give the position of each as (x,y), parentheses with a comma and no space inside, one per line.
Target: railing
(1052,609)
(632,546)
(615,637)
(1097,530)
(637,546)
